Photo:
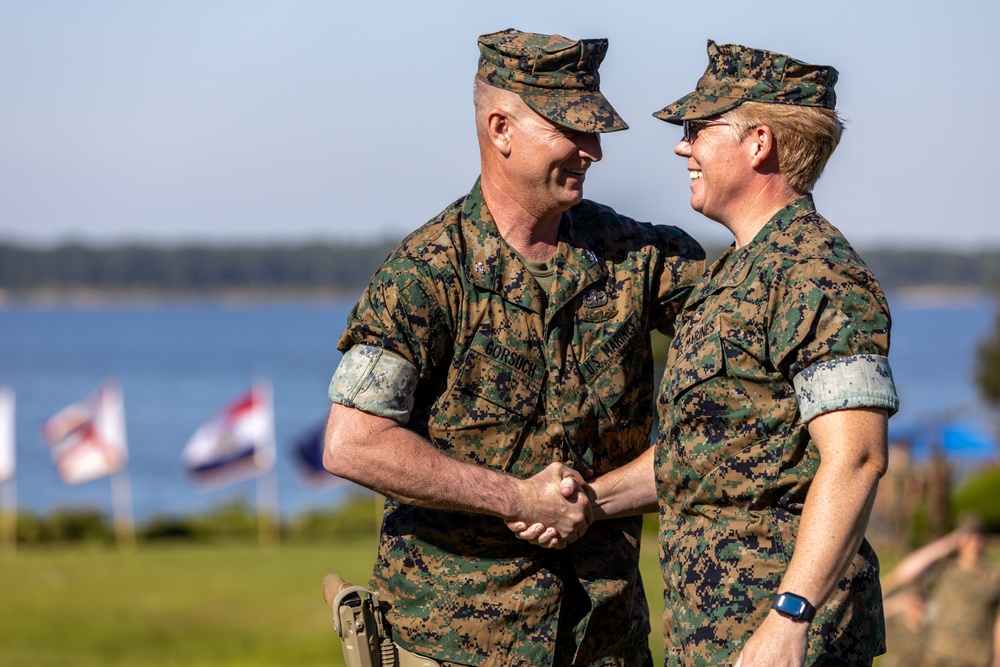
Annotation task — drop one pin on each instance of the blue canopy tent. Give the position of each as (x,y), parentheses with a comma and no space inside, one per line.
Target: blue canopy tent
(961,440)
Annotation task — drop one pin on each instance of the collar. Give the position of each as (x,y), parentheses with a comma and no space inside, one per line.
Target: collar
(733,267)
(491,264)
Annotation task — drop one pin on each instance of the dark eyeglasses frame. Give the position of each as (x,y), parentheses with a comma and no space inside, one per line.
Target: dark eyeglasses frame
(693,127)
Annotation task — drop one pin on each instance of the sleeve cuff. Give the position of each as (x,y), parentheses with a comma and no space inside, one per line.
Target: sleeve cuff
(376,381)
(861,381)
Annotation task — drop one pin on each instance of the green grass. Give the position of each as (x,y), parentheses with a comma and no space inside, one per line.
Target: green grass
(190,604)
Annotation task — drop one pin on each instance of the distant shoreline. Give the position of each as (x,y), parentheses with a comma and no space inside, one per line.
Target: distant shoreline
(231,297)
(922,295)
(941,295)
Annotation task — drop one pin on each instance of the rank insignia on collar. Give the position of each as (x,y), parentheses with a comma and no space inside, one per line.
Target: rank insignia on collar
(589,254)
(596,307)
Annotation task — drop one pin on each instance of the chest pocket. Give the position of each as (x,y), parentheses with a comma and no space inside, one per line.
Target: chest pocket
(494,395)
(619,374)
(711,413)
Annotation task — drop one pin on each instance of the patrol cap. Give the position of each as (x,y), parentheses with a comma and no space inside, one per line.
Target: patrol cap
(738,74)
(555,76)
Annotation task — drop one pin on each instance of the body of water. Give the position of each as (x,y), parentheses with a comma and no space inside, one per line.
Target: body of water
(179,364)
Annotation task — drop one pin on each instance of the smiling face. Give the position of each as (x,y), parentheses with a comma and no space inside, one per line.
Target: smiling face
(549,162)
(720,171)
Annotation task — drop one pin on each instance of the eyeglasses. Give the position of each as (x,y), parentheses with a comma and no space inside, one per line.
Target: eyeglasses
(693,127)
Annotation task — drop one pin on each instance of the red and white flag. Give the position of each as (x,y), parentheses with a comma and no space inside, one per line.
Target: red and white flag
(88,437)
(6,433)
(235,444)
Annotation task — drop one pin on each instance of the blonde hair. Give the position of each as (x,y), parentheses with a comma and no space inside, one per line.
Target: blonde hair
(805,137)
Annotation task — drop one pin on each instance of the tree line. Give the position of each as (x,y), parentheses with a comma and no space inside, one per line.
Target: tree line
(332,268)
(179,270)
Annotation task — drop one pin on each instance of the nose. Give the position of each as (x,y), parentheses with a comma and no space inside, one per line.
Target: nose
(683,148)
(590,146)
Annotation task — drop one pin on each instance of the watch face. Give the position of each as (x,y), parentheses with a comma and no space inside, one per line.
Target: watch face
(789,606)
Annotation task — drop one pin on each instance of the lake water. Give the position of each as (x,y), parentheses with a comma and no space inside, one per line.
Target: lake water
(179,364)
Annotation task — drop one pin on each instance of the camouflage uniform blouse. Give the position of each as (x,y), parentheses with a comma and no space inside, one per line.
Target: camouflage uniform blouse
(790,326)
(455,339)
(961,616)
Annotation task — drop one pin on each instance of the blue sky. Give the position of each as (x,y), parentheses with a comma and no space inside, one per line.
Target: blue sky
(243,121)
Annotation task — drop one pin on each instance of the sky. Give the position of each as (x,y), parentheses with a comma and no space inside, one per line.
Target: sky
(291,121)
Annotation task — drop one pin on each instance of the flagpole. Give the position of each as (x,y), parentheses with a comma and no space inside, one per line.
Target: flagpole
(267,508)
(9,512)
(121,502)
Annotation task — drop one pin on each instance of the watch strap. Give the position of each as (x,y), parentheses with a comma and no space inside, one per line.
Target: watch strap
(793,606)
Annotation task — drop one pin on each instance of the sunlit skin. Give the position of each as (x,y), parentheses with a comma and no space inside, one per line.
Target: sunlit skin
(534,172)
(549,162)
(719,172)
(736,182)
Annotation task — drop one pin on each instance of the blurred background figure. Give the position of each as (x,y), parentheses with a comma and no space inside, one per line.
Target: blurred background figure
(959,626)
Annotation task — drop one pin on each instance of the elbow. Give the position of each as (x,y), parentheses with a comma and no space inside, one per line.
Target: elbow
(872,466)
(335,459)
(880,467)
(331,458)
(336,446)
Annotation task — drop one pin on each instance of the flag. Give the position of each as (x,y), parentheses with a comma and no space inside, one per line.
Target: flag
(308,450)
(235,444)
(88,437)
(6,433)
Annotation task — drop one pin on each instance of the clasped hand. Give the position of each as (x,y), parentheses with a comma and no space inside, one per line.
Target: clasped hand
(557,508)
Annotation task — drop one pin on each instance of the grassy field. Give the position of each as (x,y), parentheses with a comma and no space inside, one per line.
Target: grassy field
(189,605)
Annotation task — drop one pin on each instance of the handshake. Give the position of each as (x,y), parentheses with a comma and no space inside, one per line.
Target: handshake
(555,508)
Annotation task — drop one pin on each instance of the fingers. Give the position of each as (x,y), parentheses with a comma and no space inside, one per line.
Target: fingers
(332,584)
(555,509)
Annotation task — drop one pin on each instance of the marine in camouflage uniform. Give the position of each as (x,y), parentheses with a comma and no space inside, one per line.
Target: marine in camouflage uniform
(778,386)
(962,623)
(458,344)
(774,403)
(962,619)
(782,329)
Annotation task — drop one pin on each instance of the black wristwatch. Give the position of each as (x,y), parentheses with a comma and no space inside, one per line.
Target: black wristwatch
(794,607)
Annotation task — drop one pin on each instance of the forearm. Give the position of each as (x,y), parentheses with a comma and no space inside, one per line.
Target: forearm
(832,526)
(852,449)
(916,563)
(399,464)
(853,456)
(626,491)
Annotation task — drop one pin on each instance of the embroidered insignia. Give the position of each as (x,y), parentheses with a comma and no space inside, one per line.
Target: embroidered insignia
(480,268)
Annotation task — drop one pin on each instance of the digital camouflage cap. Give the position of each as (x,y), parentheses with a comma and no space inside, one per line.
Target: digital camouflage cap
(738,74)
(555,76)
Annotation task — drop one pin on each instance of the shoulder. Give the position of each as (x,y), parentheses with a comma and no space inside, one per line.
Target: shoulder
(428,250)
(608,229)
(813,249)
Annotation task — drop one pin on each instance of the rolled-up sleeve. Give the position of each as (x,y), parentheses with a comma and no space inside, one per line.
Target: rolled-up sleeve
(376,381)
(830,335)
(848,382)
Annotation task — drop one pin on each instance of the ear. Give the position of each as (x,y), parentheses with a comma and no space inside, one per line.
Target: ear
(760,144)
(498,128)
